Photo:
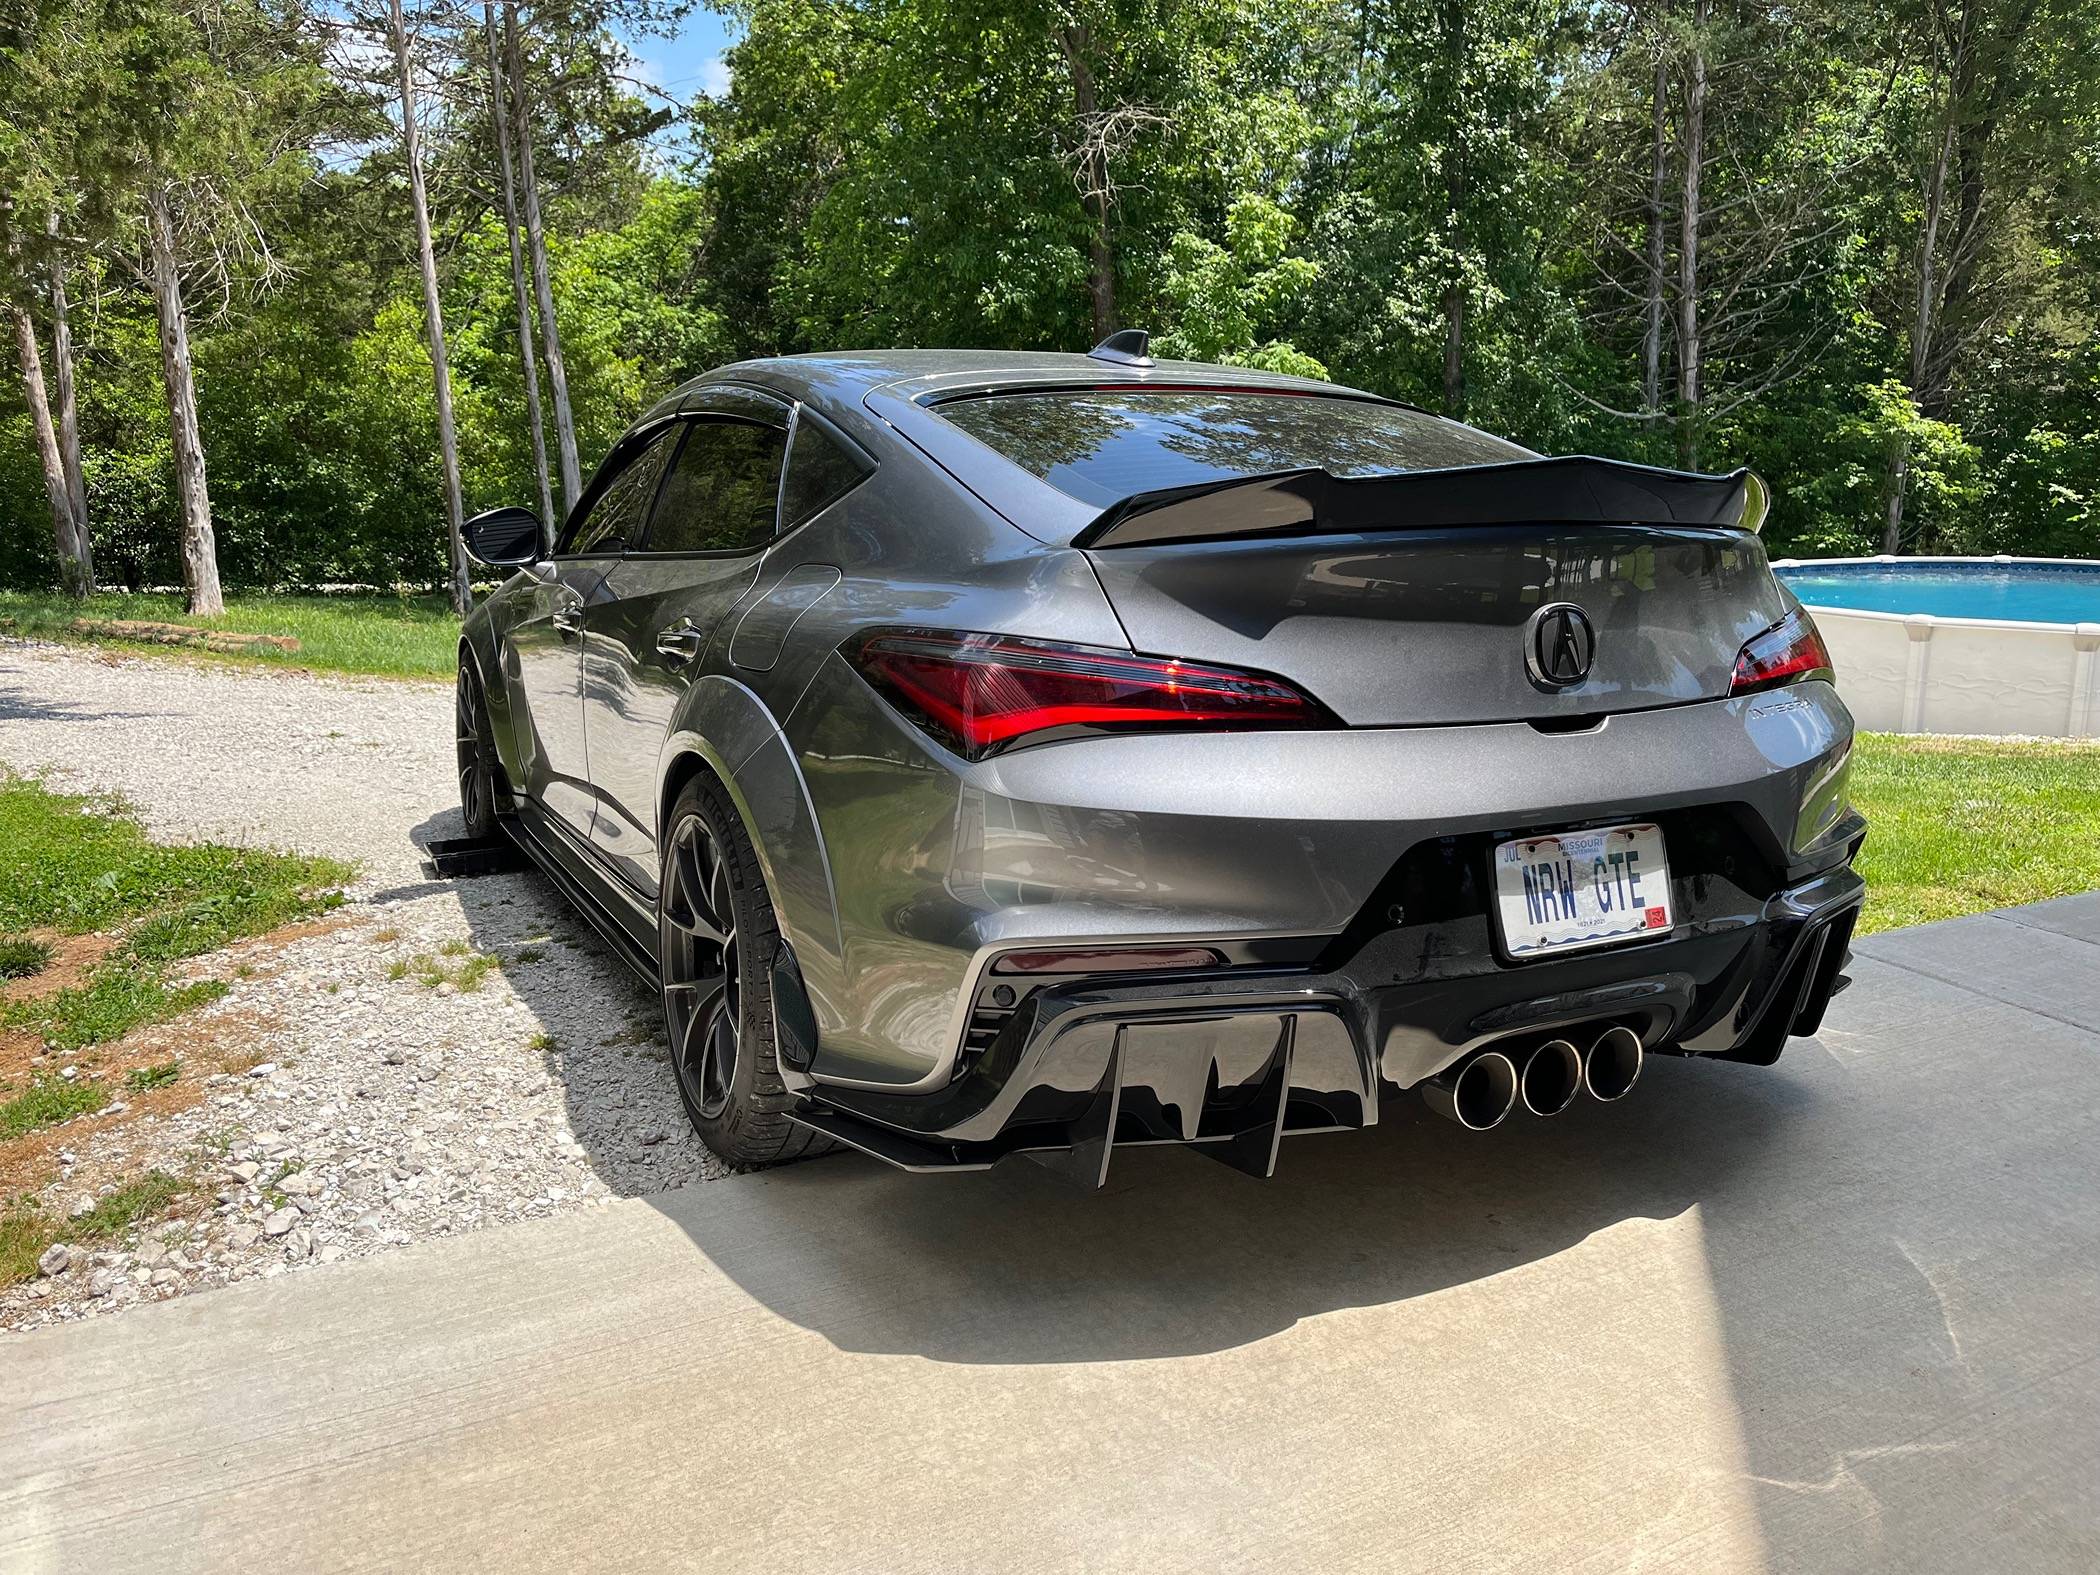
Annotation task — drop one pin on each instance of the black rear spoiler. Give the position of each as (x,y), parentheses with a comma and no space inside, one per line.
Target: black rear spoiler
(1578,491)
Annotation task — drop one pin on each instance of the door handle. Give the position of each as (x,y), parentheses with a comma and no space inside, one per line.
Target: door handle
(567,618)
(680,643)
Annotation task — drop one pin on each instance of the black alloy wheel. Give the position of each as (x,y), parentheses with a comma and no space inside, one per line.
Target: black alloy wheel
(477,754)
(716,941)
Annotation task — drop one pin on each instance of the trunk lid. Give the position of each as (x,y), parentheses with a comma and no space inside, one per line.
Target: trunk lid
(1430,626)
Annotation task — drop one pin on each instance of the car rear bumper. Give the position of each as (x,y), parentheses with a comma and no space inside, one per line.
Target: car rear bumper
(1235,1060)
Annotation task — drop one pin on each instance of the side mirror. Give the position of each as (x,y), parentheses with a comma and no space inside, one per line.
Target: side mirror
(504,538)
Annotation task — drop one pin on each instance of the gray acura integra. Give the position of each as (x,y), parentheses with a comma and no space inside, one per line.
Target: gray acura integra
(993,753)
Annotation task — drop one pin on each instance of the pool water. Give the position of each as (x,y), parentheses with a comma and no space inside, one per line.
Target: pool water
(2039,593)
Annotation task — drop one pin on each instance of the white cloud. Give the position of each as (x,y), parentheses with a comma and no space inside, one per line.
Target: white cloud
(714,76)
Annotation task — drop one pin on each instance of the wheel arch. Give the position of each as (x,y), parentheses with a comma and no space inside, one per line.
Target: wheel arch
(725,732)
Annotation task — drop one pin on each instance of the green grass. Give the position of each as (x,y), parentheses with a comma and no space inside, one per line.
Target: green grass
(75,866)
(465,973)
(141,1078)
(1964,825)
(25,1232)
(20,956)
(47,1102)
(394,636)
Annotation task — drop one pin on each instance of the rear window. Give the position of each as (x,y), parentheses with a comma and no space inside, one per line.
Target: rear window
(1101,446)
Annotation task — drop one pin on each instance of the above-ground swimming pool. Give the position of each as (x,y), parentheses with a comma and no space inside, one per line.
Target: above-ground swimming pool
(1960,645)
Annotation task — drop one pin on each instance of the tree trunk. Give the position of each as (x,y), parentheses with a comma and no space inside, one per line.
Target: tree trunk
(433,315)
(66,534)
(68,400)
(1657,261)
(1453,17)
(1694,157)
(200,549)
(1095,184)
(1923,314)
(499,113)
(536,246)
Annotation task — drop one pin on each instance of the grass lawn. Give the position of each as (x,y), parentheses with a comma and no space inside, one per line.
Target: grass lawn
(1961,825)
(71,868)
(393,636)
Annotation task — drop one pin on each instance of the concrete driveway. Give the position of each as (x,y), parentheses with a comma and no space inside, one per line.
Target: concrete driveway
(1841,1314)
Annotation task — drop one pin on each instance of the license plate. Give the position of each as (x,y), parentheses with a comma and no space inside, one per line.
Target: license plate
(1582,888)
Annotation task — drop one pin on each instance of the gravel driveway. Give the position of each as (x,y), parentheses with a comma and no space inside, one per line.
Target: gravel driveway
(387,1102)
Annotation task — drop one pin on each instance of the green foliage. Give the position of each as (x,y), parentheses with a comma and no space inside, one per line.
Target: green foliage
(70,865)
(1226,300)
(143,1079)
(1442,202)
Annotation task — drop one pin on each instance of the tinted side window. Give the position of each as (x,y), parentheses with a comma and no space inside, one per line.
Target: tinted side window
(615,519)
(821,469)
(722,489)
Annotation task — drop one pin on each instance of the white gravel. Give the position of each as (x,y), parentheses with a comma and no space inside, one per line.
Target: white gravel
(383,1109)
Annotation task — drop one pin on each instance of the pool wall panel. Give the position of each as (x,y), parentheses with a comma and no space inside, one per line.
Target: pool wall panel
(1915,673)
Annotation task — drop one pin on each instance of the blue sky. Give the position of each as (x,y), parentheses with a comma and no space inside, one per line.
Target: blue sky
(689,62)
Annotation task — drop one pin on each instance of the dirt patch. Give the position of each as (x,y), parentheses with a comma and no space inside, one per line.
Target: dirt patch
(197,1044)
(71,958)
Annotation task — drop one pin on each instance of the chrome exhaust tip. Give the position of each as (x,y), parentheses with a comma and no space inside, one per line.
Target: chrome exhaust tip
(1613,1065)
(1477,1095)
(1552,1077)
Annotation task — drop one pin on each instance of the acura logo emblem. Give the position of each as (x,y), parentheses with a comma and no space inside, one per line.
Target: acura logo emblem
(1559,645)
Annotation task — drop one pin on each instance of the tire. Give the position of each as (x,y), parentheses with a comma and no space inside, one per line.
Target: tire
(484,795)
(715,984)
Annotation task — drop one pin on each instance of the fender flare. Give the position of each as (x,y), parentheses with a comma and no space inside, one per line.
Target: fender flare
(723,727)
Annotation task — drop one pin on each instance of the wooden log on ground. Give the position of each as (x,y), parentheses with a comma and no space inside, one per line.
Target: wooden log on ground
(228,641)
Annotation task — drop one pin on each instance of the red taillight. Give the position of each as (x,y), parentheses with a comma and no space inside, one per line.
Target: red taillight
(1788,652)
(980,693)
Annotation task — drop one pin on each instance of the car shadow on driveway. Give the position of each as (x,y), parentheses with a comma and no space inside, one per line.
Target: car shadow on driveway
(600,1040)
(1179,1255)
(1874,1270)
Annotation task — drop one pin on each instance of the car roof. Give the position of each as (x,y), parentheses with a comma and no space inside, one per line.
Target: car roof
(848,376)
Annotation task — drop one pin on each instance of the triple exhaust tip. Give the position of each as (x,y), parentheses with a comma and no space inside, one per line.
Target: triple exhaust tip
(1482,1093)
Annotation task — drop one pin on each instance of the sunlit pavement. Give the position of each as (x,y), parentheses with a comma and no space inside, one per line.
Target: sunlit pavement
(1839,1314)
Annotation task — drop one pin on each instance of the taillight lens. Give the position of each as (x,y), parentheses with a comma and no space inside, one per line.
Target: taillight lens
(981,693)
(1788,652)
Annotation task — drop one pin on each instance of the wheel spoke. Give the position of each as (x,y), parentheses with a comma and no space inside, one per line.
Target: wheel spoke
(697,995)
(691,911)
(699,962)
(720,908)
(718,1068)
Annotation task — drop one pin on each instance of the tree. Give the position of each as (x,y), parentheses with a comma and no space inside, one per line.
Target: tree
(2012,86)
(500,118)
(38,86)
(68,401)
(200,552)
(68,528)
(536,247)
(433,312)
(187,114)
